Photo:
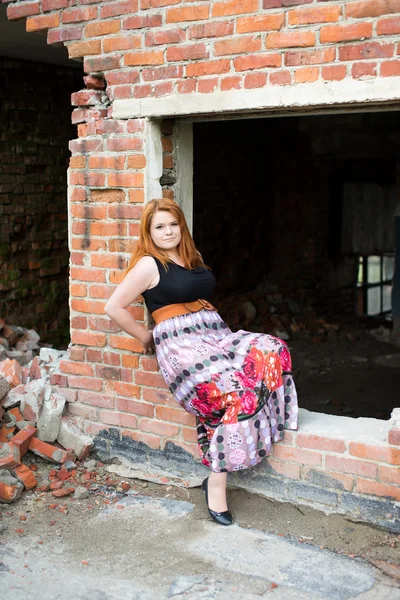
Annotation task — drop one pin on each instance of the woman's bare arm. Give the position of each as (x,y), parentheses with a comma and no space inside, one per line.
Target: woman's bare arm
(138,280)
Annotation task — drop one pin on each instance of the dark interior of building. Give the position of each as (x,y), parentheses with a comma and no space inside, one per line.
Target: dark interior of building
(295,215)
(35,128)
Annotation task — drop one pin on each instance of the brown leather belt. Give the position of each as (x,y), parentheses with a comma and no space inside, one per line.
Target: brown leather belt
(177,310)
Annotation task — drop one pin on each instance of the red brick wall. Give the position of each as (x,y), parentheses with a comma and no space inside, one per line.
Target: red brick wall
(35,127)
(151,48)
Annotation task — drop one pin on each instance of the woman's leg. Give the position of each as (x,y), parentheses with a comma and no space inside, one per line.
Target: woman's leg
(217,492)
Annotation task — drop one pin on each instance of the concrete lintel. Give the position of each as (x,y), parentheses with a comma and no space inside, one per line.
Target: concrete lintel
(154,159)
(318,95)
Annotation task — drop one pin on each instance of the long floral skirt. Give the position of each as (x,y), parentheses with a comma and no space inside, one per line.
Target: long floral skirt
(239,386)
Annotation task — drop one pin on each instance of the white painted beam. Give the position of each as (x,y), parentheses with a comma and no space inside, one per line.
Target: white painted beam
(348,92)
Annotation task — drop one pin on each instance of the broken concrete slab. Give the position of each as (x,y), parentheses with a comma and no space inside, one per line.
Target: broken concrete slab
(71,437)
(32,400)
(4,386)
(9,456)
(49,420)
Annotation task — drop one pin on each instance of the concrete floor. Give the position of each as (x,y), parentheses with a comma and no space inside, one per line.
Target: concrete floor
(148,545)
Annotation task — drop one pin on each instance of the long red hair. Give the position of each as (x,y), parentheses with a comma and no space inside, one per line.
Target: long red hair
(188,253)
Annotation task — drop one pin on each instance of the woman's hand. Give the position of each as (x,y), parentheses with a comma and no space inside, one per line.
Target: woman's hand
(148,344)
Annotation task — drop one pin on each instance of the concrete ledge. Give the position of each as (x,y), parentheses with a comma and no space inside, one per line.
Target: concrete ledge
(308,486)
(350,93)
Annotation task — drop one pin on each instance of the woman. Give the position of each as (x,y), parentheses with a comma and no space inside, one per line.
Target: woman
(238,385)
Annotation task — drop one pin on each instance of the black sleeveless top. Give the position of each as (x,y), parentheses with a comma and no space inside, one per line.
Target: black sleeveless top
(179,284)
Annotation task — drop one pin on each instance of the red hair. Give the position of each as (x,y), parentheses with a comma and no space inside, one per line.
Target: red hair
(188,253)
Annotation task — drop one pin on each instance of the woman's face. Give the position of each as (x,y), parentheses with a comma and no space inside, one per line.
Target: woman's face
(164,230)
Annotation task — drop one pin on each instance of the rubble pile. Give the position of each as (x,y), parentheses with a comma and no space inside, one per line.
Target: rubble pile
(18,343)
(268,309)
(32,420)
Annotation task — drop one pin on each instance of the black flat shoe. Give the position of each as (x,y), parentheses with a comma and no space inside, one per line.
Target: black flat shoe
(222,518)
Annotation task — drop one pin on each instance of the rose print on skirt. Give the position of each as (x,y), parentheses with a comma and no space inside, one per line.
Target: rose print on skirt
(240,389)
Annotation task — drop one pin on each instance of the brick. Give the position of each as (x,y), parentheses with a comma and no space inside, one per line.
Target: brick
(366,51)
(125,389)
(149,363)
(72,437)
(345,33)
(257,61)
(135,180)
(255,80)
(150,379)
(42,22)
(101,63)
(371,8)
(6,433)
(158,428)
(87,383)
(136,196)
(287,469)
(390,68)
(10,493)
(76,368)
(187,13)
(64,34)
(334,73)
(151,57)
(9,456)
(124,144)
(268,4)
(25,476)
(48,5)
(11,371)
(295,455)
(365,486)
(62,493)
(22,10)
(208,68)
(189,434)
(48,452)
(122,43)
(137,408)
(290,39)
(310,57)
(93,275)
(165,36)
(389,474)
(205,86)
(260,23)
(121,7)
(239,45)
(210,30)
(16,415)
(349,465)
(142,22)
(388,26)
(107,195)
(306,74)
(100,291)
(363,70)
(234,7)
(149,440)
(79,49)
(22,439)
(78,14)
(320,14)
(156,73)
(94,399)
(158,397)
(82,411)
(179,416)
(376,453)
(119,419)
(186,86)
(320,443)
(189,52)
(89,212)
(394,437)
(102,28)
(32,400)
